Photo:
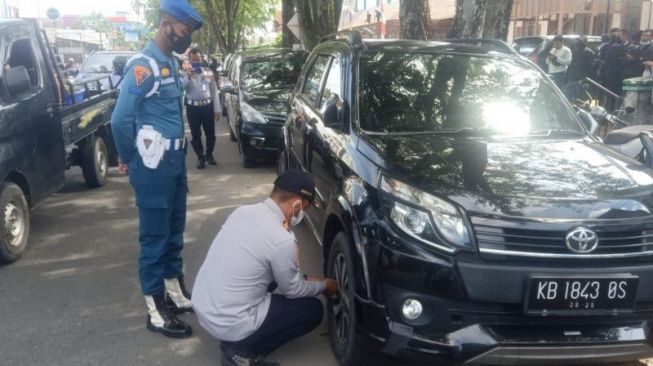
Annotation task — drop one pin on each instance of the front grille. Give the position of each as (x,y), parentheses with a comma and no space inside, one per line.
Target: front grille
(522,238)
(275,118)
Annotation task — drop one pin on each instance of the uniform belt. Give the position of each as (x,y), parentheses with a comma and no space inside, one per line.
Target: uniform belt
(175,144)
(198,103)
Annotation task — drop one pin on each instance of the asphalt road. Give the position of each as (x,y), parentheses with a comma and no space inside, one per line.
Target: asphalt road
(74,297)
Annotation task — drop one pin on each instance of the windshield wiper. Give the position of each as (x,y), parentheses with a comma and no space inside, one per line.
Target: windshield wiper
(554,132)
(464,130)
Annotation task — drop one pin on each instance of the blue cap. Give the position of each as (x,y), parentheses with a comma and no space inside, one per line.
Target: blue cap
(183,12)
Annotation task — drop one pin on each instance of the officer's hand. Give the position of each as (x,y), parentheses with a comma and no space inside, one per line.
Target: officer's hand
(123,169)
(314,278)
(331,287)
(217,116)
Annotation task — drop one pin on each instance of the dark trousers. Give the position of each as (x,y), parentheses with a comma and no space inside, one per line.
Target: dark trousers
(161,200)
(286,320)
(560,79)
(201,118)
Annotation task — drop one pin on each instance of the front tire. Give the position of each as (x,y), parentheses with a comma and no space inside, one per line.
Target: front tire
(95,162)
(341,309)
(15,222)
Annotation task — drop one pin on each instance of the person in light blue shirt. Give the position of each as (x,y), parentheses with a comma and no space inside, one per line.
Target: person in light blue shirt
(149,133)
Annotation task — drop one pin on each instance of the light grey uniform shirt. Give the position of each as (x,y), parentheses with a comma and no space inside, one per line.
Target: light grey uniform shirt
(230,295)
(201,87)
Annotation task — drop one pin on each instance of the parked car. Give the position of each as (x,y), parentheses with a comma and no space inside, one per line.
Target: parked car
(464,210)
(98,66)
(47,128)
(256,98)
(526,45)
(541,49)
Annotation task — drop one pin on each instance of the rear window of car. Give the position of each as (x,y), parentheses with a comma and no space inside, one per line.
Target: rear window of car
(275,72)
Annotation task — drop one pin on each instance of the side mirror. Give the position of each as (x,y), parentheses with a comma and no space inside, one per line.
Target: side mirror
(228,89)
(630,109)
(589,122)
(17,80)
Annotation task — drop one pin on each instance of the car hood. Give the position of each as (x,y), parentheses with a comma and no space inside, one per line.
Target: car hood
(269,101)
(530,178)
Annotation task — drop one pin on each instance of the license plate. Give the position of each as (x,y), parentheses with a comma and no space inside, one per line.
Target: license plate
(581,294)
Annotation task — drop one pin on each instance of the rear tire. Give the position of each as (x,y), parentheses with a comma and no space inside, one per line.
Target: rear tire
(232,136)
(245,162)
(14,222)
(346,344)
(95,162)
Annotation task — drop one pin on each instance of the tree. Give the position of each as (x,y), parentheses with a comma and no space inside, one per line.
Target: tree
(415,18)
(231,20)
(318,18)
(98,23)
(287,12)
(481,19)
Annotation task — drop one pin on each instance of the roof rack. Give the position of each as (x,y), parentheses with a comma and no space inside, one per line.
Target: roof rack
(489,43)
(353,37)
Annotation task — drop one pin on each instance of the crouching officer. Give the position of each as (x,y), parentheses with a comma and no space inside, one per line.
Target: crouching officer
(232,292)
(149,134)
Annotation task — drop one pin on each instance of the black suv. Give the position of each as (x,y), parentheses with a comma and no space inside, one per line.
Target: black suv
(256,98)
(465,211)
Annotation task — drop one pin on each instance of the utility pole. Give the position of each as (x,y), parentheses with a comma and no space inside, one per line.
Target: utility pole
(607,18)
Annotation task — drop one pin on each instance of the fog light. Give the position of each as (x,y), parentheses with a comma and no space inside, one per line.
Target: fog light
(257,141)
(411,309)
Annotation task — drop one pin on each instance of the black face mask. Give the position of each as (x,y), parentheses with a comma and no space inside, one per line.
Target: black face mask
(177,43)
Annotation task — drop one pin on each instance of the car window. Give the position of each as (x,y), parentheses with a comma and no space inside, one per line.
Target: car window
(99,63)
(402,92)
(21,53)
(272,72)
(331,102)
(311,89)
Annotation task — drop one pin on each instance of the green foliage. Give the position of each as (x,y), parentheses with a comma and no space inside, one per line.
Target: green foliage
(97,22)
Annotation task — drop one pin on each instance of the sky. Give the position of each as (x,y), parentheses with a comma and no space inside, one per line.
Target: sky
(30,8)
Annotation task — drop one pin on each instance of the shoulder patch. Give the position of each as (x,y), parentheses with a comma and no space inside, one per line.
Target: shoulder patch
(165,72)
(135,90)
(141,73)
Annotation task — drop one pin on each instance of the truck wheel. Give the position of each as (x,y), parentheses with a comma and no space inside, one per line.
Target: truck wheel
(14,216)
(341,309)
(95,162)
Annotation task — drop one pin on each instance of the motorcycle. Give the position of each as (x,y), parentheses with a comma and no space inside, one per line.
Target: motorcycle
(633,141)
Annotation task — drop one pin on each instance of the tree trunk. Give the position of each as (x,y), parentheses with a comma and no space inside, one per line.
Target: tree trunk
(287,12)
(497,19)
(317,18)
(215,25)
(469,18)
(415,18)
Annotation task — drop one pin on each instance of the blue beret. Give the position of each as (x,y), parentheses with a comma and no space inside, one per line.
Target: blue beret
(183,12)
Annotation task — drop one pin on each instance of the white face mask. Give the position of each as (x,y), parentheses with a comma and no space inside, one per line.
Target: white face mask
(295,220)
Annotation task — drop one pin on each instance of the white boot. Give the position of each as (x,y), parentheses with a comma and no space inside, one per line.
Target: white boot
(155,317)
(175,293)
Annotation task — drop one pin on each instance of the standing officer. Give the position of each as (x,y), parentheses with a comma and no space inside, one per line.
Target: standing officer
(202,107)
(149,133)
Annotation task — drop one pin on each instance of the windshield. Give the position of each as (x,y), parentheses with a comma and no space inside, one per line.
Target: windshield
(412,93)
(100,63)
(279,72)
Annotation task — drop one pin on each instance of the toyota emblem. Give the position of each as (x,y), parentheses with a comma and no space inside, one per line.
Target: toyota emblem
(582,240)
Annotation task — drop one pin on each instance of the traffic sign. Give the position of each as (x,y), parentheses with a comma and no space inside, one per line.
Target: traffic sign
(53,13)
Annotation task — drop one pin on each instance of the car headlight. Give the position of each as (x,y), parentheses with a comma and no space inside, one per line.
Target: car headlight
(426,217)
(251,115)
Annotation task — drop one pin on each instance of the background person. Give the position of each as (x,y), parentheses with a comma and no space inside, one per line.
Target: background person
(202,107)
(254,253)
(558,61)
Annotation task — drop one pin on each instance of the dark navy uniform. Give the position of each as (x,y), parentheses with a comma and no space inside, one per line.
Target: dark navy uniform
(149,133)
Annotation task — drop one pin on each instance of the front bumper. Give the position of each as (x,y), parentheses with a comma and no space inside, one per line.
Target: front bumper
(261,141)
(474,312)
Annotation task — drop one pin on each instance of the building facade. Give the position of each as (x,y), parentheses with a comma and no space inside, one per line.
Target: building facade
(380,18)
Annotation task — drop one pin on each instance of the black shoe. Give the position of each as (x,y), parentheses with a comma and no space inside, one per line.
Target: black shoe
(171,327)
(201,163)
(211,160)
(239,359)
